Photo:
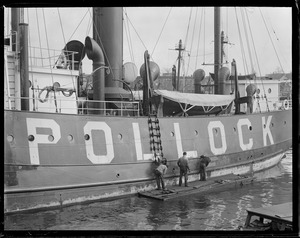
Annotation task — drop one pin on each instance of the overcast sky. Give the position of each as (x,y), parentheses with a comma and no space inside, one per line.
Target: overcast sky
(145,27)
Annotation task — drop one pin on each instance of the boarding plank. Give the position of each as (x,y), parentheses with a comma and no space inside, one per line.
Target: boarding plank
(211,185)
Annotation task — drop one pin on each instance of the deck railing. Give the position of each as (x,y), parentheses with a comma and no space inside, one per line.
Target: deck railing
(50,58)
(76,106)
(105,108)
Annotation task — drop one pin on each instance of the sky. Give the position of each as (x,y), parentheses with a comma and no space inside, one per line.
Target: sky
(159,29)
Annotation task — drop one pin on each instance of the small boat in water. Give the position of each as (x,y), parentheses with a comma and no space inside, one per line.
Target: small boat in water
(273,218)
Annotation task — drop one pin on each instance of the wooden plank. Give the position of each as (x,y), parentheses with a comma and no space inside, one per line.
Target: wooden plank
(212,184)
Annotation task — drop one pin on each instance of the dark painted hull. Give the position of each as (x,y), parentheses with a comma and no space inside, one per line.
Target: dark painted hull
(60,159)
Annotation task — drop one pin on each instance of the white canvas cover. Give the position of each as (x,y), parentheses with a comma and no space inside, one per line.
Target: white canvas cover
(196,99)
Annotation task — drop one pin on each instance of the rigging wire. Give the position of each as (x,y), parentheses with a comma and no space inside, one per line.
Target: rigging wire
(282,55)
(89,26)
(241,41)
(61,27)
(128,36)
(78,25)
(199,39)
(30,59)
(161,30)
(271,40)
(189,55)
(39,35)
(258,63)
(129,42)
(186,36)
(136,32)
(68,52)
(247,39)
(55,102)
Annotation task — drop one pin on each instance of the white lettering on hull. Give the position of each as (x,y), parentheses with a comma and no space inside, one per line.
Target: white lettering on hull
(244,122)
(138,143)
(266,130)
(191,153)
(101,126)
(213,128)
(32,125)
(214,125)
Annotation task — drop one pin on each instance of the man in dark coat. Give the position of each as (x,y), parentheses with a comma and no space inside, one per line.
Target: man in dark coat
(183,164)
(204,161)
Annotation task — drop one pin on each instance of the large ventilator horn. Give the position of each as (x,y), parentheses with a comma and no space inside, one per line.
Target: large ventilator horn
(198,76)
(129,72)
(154,70)
(250,90)
(95,53)
(224,75)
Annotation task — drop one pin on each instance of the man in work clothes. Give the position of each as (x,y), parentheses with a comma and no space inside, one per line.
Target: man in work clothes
(159,172)
(204,161)
(183,164)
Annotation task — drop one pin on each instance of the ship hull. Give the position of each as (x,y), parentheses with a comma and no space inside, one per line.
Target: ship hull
(53,160)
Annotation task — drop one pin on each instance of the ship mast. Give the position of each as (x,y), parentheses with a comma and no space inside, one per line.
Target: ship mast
(19,31)
(180,49)
(217,46)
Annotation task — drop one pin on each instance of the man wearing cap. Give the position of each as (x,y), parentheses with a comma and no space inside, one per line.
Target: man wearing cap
(183,164)
(159,172)
(204,161)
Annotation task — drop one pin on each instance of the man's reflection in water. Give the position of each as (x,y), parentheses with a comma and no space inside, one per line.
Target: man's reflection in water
(158,213)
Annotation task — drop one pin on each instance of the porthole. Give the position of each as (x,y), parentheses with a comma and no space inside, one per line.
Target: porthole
(56,85)
(269,90)
(50,138)
(10,138)
(196,133)
(250,128)
(120,136)
(86,137)
(31,138)
(70,138)
(172,133)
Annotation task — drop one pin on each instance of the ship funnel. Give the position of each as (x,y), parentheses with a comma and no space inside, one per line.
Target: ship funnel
(95,53)
(154,69)
(223,76)
(198,76)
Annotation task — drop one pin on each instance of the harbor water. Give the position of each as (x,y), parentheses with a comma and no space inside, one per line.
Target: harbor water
(224,210)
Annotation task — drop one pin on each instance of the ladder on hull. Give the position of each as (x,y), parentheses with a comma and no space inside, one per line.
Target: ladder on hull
(155,136)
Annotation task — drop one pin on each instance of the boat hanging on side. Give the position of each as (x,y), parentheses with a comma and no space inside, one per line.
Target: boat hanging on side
(72,138)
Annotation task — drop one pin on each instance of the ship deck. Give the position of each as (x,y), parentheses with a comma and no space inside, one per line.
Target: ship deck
(211,185)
